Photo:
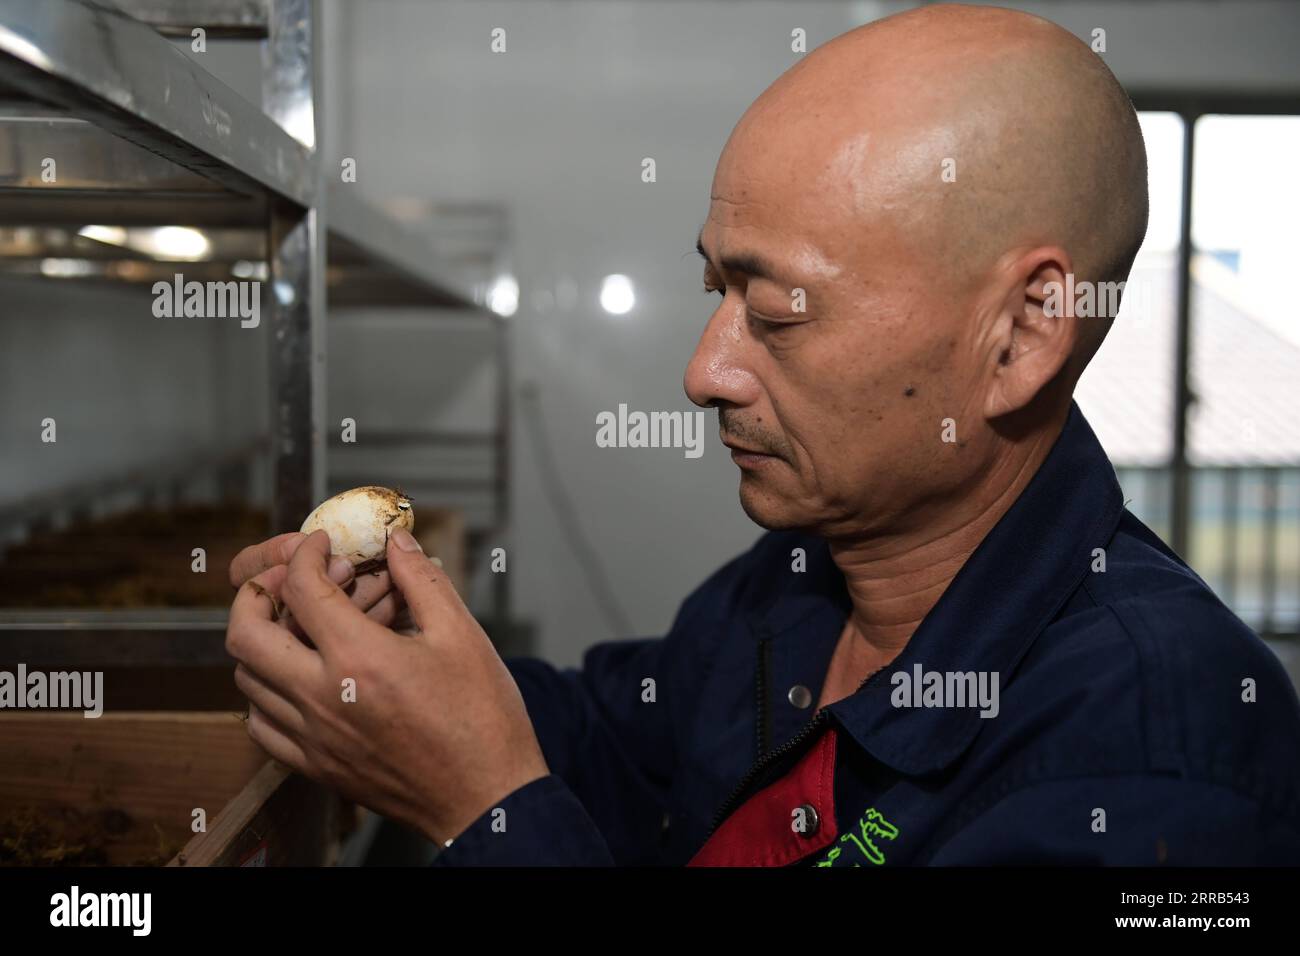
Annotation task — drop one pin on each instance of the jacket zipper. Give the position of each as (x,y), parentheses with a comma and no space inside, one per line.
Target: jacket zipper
(766,760)
(760,698)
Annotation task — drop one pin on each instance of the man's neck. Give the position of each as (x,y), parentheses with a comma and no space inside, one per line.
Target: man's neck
(893,583)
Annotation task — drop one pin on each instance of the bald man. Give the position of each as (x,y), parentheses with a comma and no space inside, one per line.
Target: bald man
(954,645)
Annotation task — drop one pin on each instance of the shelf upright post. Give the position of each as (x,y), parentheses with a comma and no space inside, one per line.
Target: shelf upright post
(296,271)
(502,433)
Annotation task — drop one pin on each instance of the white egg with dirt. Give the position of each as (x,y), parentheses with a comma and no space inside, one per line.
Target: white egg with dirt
(360,521)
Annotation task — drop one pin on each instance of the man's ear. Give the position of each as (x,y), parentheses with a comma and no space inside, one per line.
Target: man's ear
(1034,331)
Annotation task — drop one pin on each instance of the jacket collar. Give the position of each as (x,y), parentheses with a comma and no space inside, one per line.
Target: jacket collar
(1010,588)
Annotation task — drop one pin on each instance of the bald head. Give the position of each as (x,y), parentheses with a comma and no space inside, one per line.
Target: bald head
(970,131)
(885,225)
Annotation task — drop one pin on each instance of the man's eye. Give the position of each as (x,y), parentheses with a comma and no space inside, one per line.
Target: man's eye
(767,325)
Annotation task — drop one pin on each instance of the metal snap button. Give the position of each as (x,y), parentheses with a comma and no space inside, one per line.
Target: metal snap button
(811,820)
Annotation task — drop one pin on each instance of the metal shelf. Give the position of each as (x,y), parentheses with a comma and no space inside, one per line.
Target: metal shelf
(241,19)
(101,65)
(145,137)
(114,619)
(84,637)
(374,260)
(104,180)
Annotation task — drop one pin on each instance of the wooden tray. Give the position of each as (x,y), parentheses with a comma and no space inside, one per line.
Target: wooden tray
(124,787)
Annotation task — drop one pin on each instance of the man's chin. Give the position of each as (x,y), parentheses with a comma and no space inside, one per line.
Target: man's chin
(770,511)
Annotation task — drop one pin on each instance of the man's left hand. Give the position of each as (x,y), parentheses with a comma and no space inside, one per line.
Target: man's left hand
(428,729)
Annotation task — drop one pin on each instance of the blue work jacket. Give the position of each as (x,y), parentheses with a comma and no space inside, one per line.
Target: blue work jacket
(1137,720)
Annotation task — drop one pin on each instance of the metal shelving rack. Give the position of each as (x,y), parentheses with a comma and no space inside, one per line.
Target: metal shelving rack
(147,137)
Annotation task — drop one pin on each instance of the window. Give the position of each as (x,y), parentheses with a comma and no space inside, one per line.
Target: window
(1196,392)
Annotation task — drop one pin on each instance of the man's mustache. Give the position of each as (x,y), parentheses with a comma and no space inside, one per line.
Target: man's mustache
(739,432)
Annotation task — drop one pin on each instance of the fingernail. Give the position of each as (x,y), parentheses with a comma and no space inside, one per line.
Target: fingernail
(340,570)
(406,541)
(291,545)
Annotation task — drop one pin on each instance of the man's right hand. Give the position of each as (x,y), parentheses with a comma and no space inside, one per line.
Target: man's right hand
(373,591)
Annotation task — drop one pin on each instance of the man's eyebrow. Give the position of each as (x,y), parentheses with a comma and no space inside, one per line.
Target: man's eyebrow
(747,262)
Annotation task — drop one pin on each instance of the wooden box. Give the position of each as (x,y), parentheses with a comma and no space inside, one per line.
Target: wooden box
(121,789)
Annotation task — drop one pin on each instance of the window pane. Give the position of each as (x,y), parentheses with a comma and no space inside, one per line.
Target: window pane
(1245,323)
(1243,429)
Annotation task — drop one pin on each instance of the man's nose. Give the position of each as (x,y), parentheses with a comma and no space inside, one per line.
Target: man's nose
(718,372)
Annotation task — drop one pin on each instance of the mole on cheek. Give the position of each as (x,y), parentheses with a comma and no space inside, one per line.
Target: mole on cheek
(909,391)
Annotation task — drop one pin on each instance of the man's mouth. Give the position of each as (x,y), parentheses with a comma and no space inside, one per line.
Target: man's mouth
(748,457)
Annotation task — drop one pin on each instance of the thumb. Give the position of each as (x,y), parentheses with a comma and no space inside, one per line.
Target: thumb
(422,582)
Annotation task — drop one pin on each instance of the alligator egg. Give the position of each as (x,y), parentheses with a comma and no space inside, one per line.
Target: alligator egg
(359,522)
